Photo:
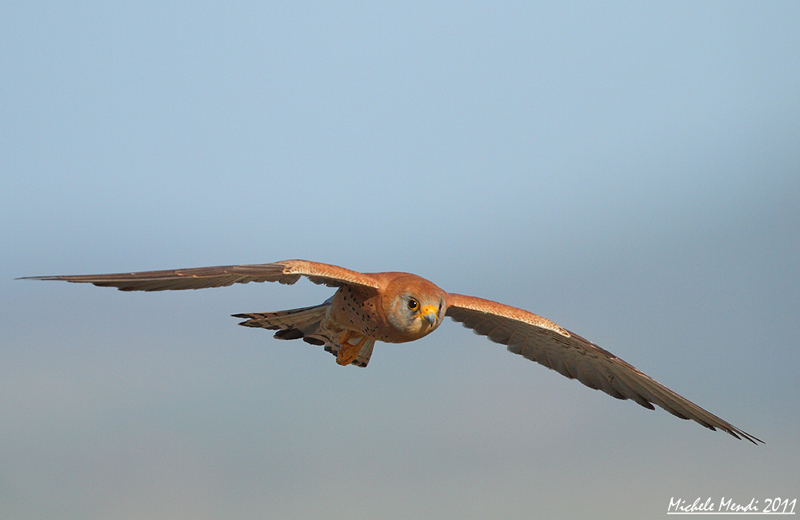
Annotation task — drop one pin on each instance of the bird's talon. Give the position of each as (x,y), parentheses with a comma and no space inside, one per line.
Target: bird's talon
(348,352)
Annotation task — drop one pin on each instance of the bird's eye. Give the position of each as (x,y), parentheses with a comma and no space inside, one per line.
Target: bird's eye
(413,304)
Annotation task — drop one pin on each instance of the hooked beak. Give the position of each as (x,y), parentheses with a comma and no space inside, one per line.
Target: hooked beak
(429,314)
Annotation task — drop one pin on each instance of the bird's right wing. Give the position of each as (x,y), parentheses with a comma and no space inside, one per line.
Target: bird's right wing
(286,272)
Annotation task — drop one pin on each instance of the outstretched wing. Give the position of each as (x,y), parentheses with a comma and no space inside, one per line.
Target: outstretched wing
(541,340)
(286,272)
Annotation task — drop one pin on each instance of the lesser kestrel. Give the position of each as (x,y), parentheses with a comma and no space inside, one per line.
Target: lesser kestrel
(401,307)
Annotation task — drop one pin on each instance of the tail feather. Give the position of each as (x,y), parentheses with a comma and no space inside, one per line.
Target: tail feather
(305,318)
(304,323)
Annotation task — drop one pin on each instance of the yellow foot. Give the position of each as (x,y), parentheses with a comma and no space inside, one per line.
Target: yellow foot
(347,351)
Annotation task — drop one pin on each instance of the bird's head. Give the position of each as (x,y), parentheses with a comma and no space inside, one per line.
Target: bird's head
(413,305)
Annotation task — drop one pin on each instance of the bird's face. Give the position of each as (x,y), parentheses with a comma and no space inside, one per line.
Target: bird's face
(414,308)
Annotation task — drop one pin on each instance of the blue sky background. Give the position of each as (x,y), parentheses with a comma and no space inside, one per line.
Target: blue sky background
(629,170)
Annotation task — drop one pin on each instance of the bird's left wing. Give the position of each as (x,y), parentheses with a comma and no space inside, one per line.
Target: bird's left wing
(286,272)
(541,340)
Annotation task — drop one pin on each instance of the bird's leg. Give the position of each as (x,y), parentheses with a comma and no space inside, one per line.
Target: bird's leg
(347,351)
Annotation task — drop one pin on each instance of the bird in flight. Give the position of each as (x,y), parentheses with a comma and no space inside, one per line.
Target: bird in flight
(401,307)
